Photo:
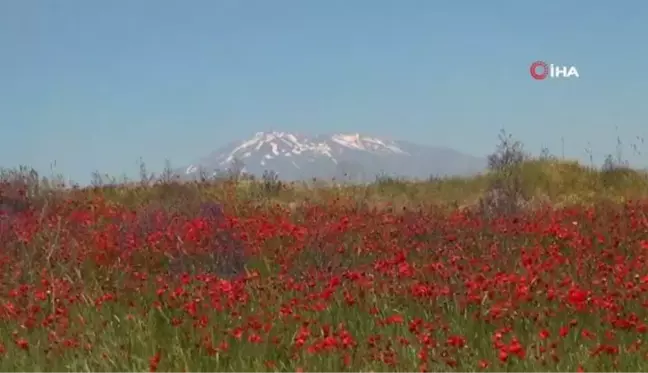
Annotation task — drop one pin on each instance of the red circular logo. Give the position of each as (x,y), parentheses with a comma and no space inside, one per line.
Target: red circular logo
(542,74)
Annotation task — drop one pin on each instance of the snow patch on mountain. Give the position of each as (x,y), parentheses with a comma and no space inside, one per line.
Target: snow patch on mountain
(270,145)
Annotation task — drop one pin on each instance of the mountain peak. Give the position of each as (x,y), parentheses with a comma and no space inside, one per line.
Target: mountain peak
(298,156)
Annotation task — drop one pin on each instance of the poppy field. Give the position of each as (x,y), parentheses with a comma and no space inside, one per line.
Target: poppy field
(92,284)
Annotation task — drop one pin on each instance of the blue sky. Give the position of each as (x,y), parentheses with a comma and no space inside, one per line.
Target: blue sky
(95,85)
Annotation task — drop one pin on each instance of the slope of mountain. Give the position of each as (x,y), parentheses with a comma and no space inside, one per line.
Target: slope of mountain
(351,156)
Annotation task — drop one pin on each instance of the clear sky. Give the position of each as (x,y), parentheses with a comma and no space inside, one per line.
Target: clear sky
(95,85)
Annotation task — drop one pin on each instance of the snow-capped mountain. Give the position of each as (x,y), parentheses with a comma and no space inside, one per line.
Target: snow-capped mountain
(352,156)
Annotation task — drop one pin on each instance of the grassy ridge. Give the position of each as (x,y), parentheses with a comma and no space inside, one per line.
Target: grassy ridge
(559,183)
